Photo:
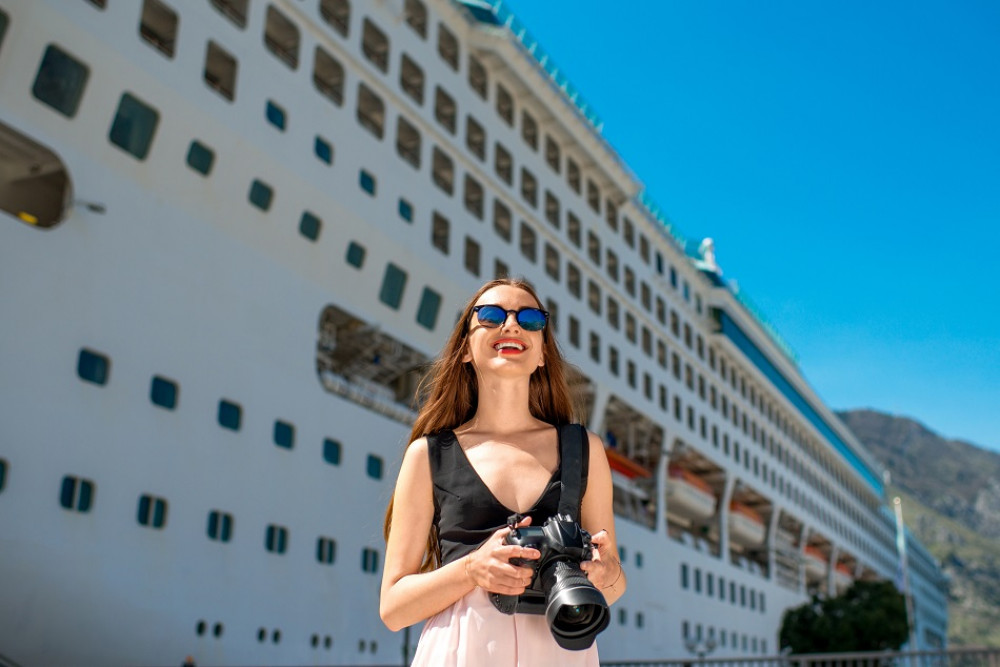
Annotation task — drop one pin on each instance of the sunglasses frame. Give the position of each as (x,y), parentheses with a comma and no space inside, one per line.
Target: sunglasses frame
(507,312)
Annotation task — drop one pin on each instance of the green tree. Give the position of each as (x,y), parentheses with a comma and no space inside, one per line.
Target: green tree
(868,616)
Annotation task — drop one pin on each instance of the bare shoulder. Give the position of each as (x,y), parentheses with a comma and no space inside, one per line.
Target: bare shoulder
(596,445)
(416,460)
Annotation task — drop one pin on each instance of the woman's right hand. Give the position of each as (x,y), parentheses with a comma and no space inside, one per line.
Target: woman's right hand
(489,566)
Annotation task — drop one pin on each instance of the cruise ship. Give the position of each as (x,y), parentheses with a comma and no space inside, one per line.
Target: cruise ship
(234,232)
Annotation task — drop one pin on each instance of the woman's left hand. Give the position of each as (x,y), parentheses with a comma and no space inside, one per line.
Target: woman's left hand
(604,569)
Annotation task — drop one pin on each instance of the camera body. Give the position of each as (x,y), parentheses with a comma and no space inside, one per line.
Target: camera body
(576,611)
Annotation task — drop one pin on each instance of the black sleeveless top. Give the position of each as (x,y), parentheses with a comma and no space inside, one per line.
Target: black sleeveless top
(465,510)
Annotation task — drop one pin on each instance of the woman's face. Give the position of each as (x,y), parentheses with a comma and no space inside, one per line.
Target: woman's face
(508,350)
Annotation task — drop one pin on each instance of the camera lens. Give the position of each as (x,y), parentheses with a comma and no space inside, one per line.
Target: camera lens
(573,615)
(576,611)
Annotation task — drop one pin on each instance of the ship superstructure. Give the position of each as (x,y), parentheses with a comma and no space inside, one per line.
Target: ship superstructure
(233,233)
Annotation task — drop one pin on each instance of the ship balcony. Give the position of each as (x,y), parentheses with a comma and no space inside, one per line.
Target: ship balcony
(632,444)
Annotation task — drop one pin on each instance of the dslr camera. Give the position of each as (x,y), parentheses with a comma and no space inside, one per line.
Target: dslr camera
(575,610)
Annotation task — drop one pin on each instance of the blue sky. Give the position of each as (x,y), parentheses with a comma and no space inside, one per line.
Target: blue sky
(845,157)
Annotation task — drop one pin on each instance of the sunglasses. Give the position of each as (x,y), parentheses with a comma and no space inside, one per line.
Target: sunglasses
(529,319)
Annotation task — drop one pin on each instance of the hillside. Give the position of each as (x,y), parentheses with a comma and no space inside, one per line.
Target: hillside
(951,500)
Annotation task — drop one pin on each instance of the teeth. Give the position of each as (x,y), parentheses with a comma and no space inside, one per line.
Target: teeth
(508,344)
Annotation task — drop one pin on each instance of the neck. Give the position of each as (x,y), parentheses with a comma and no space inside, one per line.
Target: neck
(503,406)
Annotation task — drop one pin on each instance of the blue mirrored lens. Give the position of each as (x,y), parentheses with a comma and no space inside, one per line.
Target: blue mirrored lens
(491,316)
(531,319)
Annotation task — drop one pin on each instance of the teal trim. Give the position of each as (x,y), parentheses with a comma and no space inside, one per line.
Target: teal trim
(734,333)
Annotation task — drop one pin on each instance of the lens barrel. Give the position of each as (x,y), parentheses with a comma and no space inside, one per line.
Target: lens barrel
(575,610)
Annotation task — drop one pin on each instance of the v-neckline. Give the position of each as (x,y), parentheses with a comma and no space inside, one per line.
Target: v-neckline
(482,482)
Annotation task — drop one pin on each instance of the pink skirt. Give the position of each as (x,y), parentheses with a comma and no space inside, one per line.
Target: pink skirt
(472,633)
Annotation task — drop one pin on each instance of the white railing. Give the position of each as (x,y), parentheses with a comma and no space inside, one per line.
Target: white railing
(953,657)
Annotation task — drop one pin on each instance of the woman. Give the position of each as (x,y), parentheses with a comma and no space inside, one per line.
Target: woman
(488,426)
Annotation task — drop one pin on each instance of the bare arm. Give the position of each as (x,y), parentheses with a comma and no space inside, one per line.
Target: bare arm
(598,518)
(409,596)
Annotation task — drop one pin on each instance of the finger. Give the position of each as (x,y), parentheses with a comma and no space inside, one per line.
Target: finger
(509,551)
(525,521)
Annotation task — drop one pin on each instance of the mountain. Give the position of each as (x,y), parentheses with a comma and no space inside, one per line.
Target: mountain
(951,502)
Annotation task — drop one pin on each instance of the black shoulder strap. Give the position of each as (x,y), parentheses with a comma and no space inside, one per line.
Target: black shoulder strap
(574,453)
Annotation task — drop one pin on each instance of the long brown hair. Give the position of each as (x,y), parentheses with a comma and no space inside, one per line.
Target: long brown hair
(451,393)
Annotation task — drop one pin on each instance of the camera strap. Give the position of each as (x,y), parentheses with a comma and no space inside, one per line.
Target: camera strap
(574,456)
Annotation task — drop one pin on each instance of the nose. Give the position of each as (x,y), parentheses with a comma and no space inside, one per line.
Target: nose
(511,315)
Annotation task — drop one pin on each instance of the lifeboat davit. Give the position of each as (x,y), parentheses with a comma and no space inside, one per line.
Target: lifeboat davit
(815,563)
(746,526)
(689,496)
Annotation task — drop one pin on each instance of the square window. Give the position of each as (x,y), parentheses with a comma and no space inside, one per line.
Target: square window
(284,434)
(337,13)
(371,111)
(393,285)
(332,451)
(152,511)
(220,71)
(234,10)
(281,37)
(448,46)
(323,150)
(134,126)
(367,182)
(93,367)
(60,81)
(416,16)
(328,76)
(439,232)
(411,79)
(230,415)
(220,526)
(261,194)
(472,254)
(375,45)
(502,220)
(406,210)
(528,242)
(326,553)
(158,26)
(276,539)
(374,466)
(505,105)
(478,79)
(408,142)
(443,171)
(475,137)
(355,255)
(200,158)
(163,392)
(445,109)
(430,304)
(275,115)
(309,226)
(76,494)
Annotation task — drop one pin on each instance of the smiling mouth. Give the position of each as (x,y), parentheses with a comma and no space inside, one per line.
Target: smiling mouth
(509,345)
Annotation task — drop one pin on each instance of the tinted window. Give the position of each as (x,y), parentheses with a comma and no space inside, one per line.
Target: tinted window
(200,157)
(93,367)
(134,126)
(163,392)
(60,80)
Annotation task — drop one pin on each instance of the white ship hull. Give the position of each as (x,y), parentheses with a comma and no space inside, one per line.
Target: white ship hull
(169,273)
